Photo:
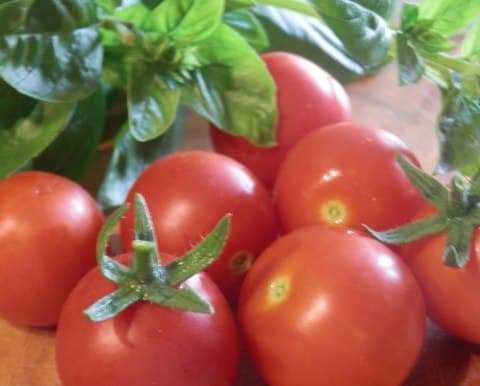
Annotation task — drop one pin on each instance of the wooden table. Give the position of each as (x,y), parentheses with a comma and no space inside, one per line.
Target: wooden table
(27,354)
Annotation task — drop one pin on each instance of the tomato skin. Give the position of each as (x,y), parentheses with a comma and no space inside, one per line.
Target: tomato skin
(48,231)
(452,295)
(346,174)
(146,344)
(187,194)
(328,307)
(307,98)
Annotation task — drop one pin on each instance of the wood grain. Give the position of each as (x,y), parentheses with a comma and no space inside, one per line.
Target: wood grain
(27,354)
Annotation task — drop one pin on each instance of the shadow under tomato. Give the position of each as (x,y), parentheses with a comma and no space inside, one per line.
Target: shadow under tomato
(446,361)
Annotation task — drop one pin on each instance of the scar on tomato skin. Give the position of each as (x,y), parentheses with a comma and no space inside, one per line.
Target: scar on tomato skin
(279,289)
(334,212)
(241,262)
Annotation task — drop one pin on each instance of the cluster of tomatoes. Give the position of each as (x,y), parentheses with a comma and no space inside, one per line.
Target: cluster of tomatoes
(311,298)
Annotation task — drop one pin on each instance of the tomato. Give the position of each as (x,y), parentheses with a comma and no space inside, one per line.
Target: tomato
(146,344)
(346,174)
(452,295)
(324,306)
(48,231)
(188,192)
(307,98)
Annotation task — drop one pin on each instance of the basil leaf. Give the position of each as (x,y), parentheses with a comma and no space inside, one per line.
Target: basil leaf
(73,151)
(300,6)
(137,14)
(450,16)
(383,8)
(29,136)
(52,67)
(364,34)
(152,102)
(130,157)
(13,15)
(233,88)
(56,58)
(471,43)
(231,5)
(248,25)
(410,65)
(187,21)
(63,15)
(14,106)
(310,38)
(459,129)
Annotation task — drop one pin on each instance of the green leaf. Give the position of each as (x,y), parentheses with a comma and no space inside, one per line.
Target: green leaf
(136,14)
(410,64)
(13,15)
(56,58)
(63,16)
(74,150)
(130,157)
(248,25)
(365,35)
(459,130)
(53,67)
(300,6)
(232,5)
(112,304)
(184,298)
(233,89)
(14,106)
(200,256)
(152,102)
(429,187)
(187,21)
(410,232)
(450,16)
(311,38)
(383,8)
(30,135)
(471,43)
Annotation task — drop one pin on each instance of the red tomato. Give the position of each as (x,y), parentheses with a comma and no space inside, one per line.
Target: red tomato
(48,231)
(187,194)
(346,174)
(146,344)
(307,98)
(452,295)
(323,307)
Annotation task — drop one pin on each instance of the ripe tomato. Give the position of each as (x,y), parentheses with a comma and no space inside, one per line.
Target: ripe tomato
(452,295)
(146,344)
(346,174)
(188,192)
(324,306)
(48,231)
(307,98)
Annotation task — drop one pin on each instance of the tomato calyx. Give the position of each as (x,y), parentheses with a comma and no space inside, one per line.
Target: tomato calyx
(458,214)
(147,279)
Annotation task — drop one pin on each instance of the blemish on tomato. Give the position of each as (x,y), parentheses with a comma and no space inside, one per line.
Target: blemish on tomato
(333,212)
(279,289)
(241,263)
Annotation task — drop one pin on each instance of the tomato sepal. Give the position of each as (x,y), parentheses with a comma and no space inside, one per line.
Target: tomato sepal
(147,279)
(458,214)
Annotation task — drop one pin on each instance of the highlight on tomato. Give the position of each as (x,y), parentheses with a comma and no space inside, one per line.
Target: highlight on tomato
(346,175)
(48,229)
(138,320)
(188,192)
(307,98)
(326,306)
(442,248)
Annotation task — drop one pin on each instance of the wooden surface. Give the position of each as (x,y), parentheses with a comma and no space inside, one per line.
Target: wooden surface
(27,355)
